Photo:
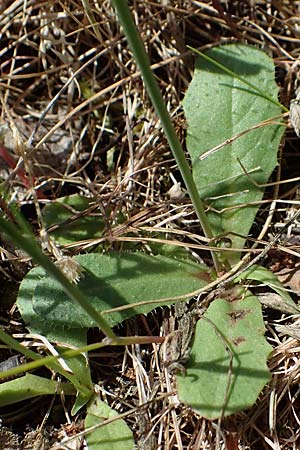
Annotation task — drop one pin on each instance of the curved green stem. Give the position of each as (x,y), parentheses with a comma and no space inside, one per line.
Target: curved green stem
(141,58)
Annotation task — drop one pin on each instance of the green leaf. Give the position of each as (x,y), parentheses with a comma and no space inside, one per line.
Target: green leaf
(73,224)
(218,106)
(169,250)
(25,297)
(113,436)
(72,337)
(81,400)
(30,386)
(110,281)
(265,276)
(37,324)
(227,368)
(81,378)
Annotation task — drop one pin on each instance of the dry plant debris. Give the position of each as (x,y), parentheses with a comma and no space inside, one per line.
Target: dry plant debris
(76,119)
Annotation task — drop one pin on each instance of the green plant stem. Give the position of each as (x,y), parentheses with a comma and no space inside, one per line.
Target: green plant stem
(14,344)
(38,361)
(29,245)
(141,58)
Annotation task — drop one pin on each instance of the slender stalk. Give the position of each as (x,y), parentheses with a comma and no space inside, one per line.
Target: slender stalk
(141,58)
(38,361)
(30,246)
(13,343)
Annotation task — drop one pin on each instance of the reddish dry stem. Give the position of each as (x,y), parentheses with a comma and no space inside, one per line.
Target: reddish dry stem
(6,156)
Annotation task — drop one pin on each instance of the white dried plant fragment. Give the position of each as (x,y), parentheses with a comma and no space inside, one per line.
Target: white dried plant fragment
(295,114)
(176,192)
(71,268)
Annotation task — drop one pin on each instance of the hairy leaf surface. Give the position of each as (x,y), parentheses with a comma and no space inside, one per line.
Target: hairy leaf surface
(219,106)
(136,283)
